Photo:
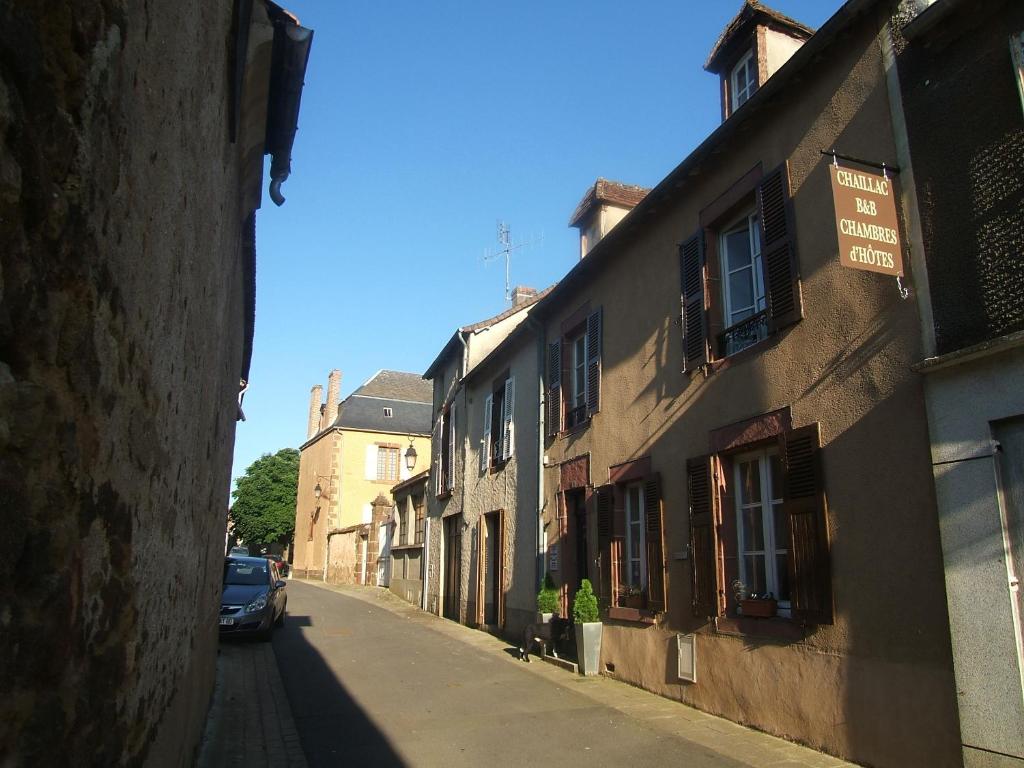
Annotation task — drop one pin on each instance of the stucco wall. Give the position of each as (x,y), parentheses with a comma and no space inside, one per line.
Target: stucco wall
(877,685)
(318,465)
(122,320)
(358,487)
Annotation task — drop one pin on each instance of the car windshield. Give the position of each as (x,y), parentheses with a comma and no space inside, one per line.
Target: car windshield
(236,572)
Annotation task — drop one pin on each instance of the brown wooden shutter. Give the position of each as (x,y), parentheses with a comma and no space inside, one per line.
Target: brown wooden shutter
(703,538)
(656,565)
(803,499)
(603,502)
(778,250)
(692,292)
(554,411)
(594,331)
(500,572)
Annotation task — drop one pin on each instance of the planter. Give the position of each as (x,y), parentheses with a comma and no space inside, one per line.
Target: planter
(588,647)
(758,609)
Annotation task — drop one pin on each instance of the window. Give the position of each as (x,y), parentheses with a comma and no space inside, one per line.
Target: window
(497,443)
(754,258)
(742,284)
(629,538)
(446,457)
(388,413)
(1017,54)
(760,516)
(403,523)
(743,80)
(387,462)
(636,568)
(576,360)
(417,503)
(762,526)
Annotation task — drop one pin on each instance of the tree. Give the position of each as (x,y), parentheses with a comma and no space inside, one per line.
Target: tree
(264,508)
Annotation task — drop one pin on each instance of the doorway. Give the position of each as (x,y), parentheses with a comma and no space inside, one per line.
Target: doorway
(491,575)
(452,563)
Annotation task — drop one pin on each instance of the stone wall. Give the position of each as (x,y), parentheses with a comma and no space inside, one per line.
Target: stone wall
(124,302)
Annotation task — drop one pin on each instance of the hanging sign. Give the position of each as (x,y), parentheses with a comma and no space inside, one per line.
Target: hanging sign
(866,223)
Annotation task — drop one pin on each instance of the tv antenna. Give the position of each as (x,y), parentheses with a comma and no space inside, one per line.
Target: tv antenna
(507,246)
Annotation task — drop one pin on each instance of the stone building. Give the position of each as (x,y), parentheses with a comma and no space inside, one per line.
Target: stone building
(402,564)
(354,454)
(967,149)
(131,158)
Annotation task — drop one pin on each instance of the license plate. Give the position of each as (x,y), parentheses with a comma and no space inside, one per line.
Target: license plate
(226,620)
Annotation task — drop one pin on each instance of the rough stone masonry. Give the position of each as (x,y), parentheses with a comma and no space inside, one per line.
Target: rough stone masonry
(123,302)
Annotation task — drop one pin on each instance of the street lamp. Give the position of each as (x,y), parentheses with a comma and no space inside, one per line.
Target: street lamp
(410,457)
(317,492)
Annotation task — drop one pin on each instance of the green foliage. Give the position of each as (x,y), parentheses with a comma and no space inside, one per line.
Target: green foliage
(547,598)
(264,500)
(584,607)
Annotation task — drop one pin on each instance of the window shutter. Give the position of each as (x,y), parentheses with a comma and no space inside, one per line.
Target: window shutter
(703,538)
(442,425)
(778,250)
(603,496)
(485,448)
(692,290)
(507,436)
(451,448)
(554,414)
(594,362)
(655,544)
(804,501)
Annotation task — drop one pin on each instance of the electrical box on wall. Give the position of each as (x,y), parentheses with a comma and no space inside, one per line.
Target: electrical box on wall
(686,650)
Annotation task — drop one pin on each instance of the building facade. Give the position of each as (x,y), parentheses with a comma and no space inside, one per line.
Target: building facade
(354,455)
(402,561)
(969,181)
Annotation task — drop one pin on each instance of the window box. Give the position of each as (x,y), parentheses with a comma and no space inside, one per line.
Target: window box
(635,615)
(759,608)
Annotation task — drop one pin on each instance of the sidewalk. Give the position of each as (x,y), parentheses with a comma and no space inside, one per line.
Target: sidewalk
(745,746)
(250,723)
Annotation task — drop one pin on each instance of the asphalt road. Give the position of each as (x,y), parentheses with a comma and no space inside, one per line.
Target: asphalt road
(369,686)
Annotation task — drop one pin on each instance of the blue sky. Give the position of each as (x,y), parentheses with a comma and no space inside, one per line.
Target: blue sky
(422,126)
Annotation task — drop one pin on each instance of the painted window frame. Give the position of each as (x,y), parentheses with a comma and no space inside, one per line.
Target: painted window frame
(739,96)
(747,222)
(633,497)
(388,458)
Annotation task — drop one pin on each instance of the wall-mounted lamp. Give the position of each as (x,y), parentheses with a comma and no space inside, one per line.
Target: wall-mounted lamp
(317,492)
(410,456)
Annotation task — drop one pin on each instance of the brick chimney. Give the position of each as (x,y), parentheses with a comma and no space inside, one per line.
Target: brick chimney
(521,294)
(316,395)
(333,397)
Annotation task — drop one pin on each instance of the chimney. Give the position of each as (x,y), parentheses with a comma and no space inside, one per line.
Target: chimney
(333,397)
(316,394)
(522,294)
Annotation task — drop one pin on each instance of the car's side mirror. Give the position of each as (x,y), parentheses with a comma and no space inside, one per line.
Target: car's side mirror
(280,585)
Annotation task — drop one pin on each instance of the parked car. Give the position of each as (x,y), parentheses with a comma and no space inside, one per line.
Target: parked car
(282,565)
(240,551)
(253,599)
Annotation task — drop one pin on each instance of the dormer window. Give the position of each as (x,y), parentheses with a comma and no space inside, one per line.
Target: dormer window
(743,81)
(388,413)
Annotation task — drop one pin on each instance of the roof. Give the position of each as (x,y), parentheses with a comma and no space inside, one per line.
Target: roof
(674,184)
(399,385)
(605,191)
(411,482)
(749,14)
(454,340)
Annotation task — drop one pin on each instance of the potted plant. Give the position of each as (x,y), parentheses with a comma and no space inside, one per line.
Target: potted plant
(632,597)
(752,605)
(587,623)
(547,600)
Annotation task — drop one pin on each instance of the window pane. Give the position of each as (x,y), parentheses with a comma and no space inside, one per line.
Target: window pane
(750,482)
(753,576)
(634,573)
(741,290)
(737,247)
(753,530)
(781,527)
(775,476)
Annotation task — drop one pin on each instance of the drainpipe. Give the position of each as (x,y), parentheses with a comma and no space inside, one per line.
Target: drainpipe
(541,345)
(426,558)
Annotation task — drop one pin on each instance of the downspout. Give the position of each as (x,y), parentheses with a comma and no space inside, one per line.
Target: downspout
(538,327)
(426,557)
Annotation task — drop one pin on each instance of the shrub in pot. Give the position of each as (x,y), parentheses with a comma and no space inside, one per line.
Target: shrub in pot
(587,621)
(547,599)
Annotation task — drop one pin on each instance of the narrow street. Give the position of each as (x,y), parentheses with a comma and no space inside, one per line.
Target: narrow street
(371,679)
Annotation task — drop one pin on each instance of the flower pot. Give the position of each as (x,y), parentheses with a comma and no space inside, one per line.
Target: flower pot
(758,608)
(588,647)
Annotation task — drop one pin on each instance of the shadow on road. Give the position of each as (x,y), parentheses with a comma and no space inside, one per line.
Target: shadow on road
(333,728)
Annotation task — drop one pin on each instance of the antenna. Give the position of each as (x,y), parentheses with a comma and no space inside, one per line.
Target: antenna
(507,246)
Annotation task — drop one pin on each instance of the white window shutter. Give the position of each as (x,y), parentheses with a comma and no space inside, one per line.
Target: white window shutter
(506,427)
(371,462)
(442,423)
(485,444)
(451,448)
